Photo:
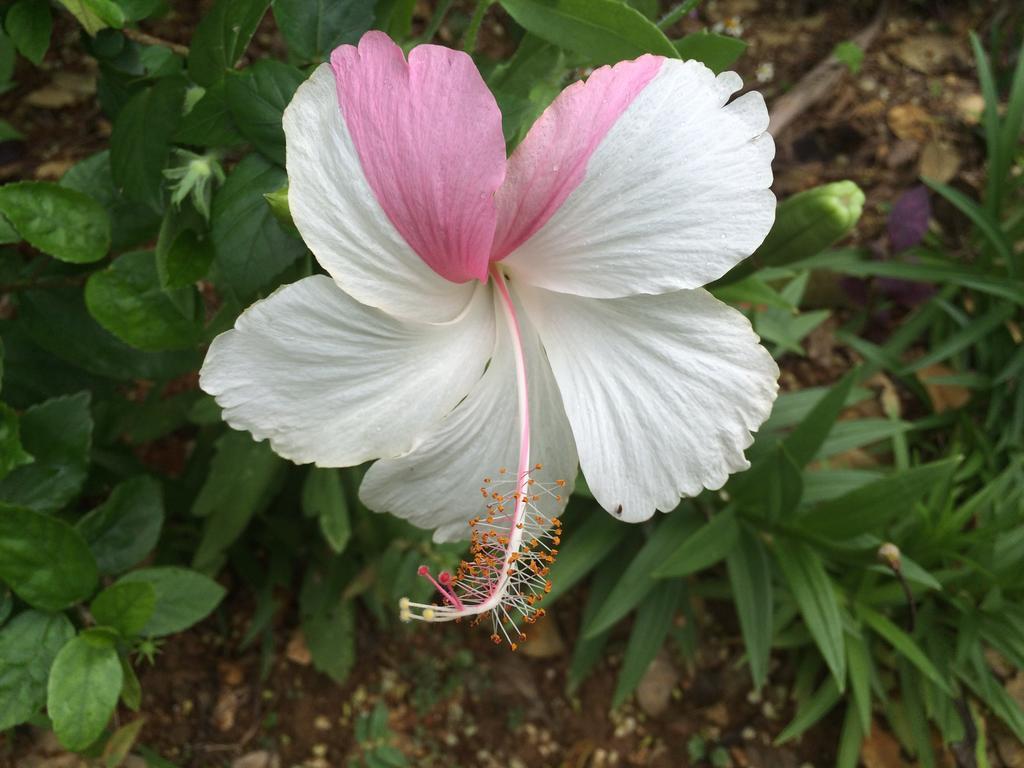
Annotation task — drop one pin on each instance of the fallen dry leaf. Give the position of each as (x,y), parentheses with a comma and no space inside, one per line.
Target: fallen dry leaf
(881,750)
(654,693)
(297,650)
(910,122)
(543,640)
(939,161)
(944,397)
(927,54)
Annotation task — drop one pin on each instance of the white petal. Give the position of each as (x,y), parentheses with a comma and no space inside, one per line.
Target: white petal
(662,392)
(332,381)
(438,484)
(342,221)
(675,195)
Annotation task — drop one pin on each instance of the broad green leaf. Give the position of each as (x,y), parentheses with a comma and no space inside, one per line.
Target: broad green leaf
(583,549)
(812,711)
(323,497)
(28,645)
(256,98)
(221,38)
(8,234)
(242,477)
(136,10)
(330,636)
(251,247)
(209,123)
(127,299)
(638,580)
(184,248)
(183,597)
(125,528)
(58,322)
(131,689)
(28,23)
(653,621)
(605,31)
(314,28)
(815,595)
(807,437)
(58,435)
(705,547)
(125,606)
(904,645)
(750,576)
(717,52)
(526,84)
(85,682)
(12,454)
(395,17)
(871,507)
(95,15)
(130,223)
(7,57)
(44,560)
(58,221)
(140,143)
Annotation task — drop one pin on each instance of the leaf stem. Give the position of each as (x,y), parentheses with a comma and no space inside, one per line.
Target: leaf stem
(469,41)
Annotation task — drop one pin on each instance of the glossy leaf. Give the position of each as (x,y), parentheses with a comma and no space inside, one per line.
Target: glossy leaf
(12,454)
(84,685)
(58,221)
(183,597)
(221,38)
(28,23)
(28,645)
(718,52)
(256,99)
(125,528)
(604,31)
(314,29)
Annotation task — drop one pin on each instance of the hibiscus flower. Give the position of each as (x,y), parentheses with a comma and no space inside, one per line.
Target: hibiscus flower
(510,318)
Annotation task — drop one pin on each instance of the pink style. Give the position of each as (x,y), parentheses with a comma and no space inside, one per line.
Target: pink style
(429,139)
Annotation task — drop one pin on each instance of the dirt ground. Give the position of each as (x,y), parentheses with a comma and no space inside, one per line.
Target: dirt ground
(453,698)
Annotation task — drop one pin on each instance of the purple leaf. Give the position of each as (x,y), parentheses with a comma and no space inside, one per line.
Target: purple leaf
(908,219)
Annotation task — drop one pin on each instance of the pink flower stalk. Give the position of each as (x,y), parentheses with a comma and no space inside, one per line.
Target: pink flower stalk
(479,310)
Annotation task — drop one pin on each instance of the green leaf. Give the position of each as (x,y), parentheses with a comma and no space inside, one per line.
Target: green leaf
(95,15)
(140,143)
(28,22)
(850,54)
(711,543)
(183,597)
(60,222)
(12,455)
(184,248)
(858,659)
(314,29)
(395,17)
(221,38)
(240,483)
(256,99)
(57,321)
(131,689)
(58,435)
(7,58)
(847,435)
(44,560)
(127,299)
(28,646)
(772,488)
(583,550)
(125,528)
(871,507)
(587,650)
(209,123)
(130,223)
(638,580)
(323,497)
(526,84)
(653,621)
(807,438)
(815,595)
(605,31)
(251,248)
(126,606)
(8,133)
(717,52)
(812,711)
(85,682)
(904,644)
(330,636)
(750,576)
